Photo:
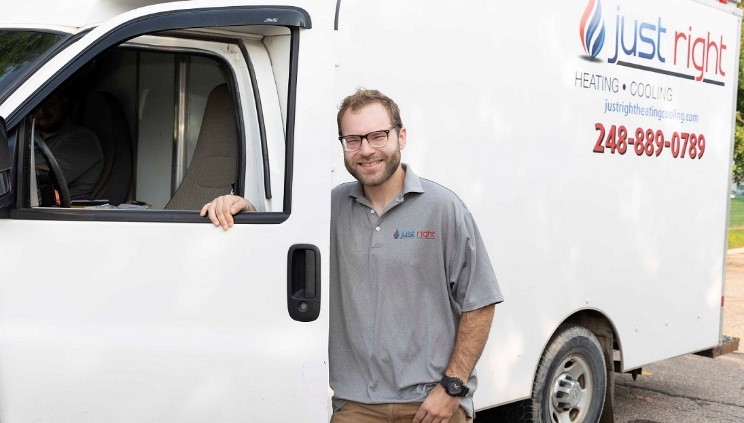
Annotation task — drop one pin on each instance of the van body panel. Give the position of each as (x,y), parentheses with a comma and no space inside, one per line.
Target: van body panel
(498,110)
(533,116)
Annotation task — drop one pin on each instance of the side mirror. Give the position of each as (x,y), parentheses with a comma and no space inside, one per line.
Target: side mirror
(6,162)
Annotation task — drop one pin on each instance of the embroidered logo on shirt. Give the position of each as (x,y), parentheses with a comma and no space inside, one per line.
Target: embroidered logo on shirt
(412,233)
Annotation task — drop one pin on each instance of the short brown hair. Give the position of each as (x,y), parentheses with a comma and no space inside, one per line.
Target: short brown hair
(364,97)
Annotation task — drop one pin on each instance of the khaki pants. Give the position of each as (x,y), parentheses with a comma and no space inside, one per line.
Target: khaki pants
(354,412)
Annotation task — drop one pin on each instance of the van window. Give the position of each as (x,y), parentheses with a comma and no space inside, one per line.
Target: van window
(161,124)
(19,49)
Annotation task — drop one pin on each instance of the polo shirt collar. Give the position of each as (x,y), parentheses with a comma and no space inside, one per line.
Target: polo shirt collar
(411,184)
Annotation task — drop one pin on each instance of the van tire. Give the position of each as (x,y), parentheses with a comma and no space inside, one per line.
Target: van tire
(571,379)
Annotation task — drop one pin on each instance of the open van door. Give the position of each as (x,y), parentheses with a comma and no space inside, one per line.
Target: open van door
(6,162)
(139,309)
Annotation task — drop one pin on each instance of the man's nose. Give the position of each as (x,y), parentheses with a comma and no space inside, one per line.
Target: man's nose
(366,148)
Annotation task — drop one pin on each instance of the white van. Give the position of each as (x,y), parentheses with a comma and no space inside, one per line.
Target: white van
(591,139)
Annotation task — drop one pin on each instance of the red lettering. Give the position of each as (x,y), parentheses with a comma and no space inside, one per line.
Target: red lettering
(707,55)
(699,66)
(701,52)
(677,36)
(719,67)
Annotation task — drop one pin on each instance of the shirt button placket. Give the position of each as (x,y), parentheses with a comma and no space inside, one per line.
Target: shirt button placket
(376,235)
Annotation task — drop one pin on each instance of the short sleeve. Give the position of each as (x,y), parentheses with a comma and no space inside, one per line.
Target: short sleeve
(470,272)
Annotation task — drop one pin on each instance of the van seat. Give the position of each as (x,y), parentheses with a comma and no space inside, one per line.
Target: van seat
(214,166)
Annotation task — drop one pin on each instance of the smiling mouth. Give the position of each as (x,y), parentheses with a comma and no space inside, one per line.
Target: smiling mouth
(370,164)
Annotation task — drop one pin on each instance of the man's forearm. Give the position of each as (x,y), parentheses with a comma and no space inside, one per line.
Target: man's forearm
(472,334)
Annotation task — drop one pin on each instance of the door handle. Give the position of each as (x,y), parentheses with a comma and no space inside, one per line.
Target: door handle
(303,282)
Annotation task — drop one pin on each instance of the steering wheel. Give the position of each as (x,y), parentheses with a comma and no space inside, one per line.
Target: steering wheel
(59,178)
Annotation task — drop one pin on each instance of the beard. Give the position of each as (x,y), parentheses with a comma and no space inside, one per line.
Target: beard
(391,164)
(49,125)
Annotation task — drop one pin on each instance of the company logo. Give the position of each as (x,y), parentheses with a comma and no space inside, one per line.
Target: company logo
(592,28)
(649,43)
(412,233)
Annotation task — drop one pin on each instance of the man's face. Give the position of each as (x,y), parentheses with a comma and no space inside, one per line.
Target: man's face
(51,114)
(369,165)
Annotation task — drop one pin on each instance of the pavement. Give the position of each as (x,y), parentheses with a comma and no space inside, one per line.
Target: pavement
(685,389)
(733,305)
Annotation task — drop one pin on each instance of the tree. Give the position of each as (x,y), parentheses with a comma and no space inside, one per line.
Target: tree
(738,168)
(17,48)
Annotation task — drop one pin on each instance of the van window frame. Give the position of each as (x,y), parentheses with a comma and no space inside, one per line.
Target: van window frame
(292,18)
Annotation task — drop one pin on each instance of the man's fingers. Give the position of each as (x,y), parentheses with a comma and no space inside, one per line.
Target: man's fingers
(215,212)
(208,210)
(222,217)
(437,408)
(212,215)
(420,414)
(428,419)
(221,210)
(240,204)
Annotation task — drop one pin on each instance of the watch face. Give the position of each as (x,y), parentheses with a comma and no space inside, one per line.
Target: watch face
(454,387)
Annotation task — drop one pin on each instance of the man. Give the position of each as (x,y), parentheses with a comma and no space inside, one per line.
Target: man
(412,291)
(77,149)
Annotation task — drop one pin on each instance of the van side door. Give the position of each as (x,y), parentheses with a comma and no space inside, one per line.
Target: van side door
(129,306)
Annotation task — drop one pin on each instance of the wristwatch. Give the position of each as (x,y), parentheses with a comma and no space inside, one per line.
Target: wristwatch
(454,386)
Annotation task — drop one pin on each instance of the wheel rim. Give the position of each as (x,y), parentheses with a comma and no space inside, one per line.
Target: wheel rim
(571,390)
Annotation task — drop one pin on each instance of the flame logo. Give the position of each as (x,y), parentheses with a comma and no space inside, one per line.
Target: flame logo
(591,39)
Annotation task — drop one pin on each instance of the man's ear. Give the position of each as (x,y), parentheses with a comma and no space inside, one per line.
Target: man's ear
(402,137)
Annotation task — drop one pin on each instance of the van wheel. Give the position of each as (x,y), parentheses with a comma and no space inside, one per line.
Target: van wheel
(571,379)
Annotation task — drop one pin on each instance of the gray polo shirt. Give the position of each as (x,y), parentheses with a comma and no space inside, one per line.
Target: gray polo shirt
(399,282)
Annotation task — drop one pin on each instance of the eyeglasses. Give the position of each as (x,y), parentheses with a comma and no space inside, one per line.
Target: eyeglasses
(376,139)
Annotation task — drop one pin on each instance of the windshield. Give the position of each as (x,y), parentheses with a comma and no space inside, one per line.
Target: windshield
(20,51)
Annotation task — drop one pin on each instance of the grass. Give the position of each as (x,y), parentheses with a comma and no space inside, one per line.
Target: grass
(736,223)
